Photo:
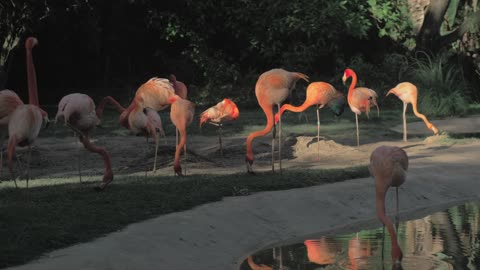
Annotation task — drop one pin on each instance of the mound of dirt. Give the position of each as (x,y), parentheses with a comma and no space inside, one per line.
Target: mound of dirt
(306,149)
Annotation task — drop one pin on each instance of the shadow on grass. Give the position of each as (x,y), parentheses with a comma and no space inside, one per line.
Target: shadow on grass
(44,218)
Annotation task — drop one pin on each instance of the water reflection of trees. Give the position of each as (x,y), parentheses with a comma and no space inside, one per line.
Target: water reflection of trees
(444,240)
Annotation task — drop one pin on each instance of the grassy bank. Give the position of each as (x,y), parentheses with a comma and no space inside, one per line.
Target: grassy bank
(52,216)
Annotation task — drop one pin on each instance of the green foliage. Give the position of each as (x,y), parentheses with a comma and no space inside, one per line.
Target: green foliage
(393,20)
(442,90)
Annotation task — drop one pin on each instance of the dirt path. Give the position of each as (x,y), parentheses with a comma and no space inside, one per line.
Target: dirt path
(219,235)
(469,125)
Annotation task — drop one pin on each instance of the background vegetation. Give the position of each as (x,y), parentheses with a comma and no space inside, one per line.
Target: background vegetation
(219,47)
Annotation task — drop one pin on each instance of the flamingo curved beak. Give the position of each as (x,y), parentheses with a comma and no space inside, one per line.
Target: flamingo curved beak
(344,79)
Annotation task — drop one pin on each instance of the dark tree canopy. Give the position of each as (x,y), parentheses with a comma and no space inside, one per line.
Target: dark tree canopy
(214,45)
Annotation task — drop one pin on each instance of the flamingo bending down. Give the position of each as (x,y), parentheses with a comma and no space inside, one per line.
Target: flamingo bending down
(272,88)
(320,94)
(225,110)
(407,93)
(9,101)
(388,165)
(27,119)
(181,91)
(359,99)
(141,115)
(78,112)
(181,114)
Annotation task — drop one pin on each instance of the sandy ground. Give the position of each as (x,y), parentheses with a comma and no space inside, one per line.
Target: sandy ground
(220,235)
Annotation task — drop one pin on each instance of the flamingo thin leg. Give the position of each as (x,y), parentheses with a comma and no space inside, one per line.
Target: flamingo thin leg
(29,158)
(280,140)
(404,122)
(220,139)
(273,147)
(358,134)
(397,205)
(157,140)
(79,166)
(318,132)
(185,154)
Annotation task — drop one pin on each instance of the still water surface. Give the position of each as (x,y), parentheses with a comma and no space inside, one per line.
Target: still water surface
(444,240)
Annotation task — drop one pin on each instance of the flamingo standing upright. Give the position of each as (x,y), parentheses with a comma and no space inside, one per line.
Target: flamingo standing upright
(320,94)
(27,119)
(141,115)
(388,165)
(359,99)
(78,112)
(9,101)
(272,88)
(181,114)
(225,110)
(407,93)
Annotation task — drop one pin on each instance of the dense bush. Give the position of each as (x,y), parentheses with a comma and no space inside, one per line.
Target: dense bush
(442,88)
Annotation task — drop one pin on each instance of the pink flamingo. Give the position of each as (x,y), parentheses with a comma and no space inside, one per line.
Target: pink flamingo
(388,165)
(78,112)
(407,93)
(181,114)
(27,119)
(272,88)
(360,99)
(225,110)
(141,115)
(320,94)
(9,101)
(181,91)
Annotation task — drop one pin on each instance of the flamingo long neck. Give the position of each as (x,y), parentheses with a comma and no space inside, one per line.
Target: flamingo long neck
(268,110)
(396,251)
(32,79)
(178,151)
(123,118)
(288,107)
(352,86)
(423,117)
(102,152)
(105,100)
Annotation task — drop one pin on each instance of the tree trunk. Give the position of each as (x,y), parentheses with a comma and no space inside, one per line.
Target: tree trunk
(429,34)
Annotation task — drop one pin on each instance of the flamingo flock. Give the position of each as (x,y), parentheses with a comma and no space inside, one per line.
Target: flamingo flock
(21,123)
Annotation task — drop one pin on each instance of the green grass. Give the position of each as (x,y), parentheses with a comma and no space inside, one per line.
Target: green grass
(49,215)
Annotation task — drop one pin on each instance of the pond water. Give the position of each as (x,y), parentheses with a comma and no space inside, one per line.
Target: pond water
(444,240)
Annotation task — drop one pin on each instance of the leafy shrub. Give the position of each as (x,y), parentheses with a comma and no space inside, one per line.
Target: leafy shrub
(441,86)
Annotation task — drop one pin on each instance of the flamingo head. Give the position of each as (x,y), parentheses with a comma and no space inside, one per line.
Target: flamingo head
(173,98)
(177,168)
(234,111)
(30,43)
(45,121)
(397,257)
(203,118)
(249,159)
(277,118)
(347,74)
